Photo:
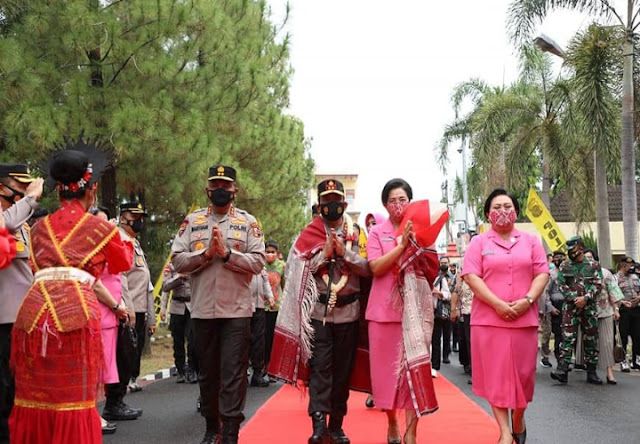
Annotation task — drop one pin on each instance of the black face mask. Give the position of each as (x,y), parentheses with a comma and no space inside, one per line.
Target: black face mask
(558,262)
(14,197)
(574,254)
(220,197)
(444,268)
(136,225)
(332,211)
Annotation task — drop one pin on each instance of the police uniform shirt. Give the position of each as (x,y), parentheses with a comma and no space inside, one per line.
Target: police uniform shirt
(173,282)
(261,290)
(137,281)
(356,266)
(219,289)
(16,279)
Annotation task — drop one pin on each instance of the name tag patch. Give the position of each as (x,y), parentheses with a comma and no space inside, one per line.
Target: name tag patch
(488,252)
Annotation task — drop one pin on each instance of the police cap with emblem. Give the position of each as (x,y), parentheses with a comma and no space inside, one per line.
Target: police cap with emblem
(574,242)
(17,171)
(627,260)
(330,186)
(133,208)
(222,172)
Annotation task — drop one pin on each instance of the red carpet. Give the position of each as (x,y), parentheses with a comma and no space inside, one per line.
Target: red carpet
(283,419)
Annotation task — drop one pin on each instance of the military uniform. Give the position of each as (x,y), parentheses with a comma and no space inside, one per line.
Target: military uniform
(15,280)
(180,322)
(579,279)
(222,305)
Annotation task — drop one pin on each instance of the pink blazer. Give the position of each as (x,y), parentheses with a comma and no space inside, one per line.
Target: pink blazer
(508,268)
(379,309)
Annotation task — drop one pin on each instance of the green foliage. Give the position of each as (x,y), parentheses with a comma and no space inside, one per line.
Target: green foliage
(173,87)
(590,241)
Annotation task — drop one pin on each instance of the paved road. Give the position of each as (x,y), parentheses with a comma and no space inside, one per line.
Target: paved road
(576,413)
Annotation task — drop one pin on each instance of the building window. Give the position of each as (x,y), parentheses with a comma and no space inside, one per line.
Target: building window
(351,196)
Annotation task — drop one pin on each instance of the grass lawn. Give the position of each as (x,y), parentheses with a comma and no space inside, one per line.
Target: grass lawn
(161,355)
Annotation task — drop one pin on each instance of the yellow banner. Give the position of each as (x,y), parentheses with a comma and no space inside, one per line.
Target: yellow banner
(157,298)
(540,216)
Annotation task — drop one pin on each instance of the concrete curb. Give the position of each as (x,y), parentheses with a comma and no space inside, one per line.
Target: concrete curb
(164,373)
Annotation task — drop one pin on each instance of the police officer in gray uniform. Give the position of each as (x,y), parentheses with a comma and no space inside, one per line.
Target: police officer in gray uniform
(221,247)
(18,195)
(137,290)
(180,323)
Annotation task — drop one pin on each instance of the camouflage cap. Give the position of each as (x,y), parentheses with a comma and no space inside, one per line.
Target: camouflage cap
(574,242)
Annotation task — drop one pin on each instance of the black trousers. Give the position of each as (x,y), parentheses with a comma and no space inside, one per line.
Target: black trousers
(222,347)
(256,350)
(630,326)
(556,329)
(455,331)
(268,335)
(181,327)
(7,383)
(115,393)
(141,329)
(440,342)
(334,353)
(464,339)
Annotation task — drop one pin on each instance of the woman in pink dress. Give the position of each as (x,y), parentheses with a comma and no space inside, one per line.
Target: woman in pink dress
(507,270)
(390,390)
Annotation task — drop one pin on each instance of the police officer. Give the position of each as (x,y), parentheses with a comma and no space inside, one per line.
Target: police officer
(221,247)
(180,324)
(19,193)
(336,329)
(137,289)
(580,281)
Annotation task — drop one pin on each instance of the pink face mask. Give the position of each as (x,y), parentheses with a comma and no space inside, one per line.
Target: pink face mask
(503,218)
(396,210)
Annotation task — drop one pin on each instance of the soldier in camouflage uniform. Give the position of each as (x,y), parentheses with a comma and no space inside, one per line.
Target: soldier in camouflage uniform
(580,281)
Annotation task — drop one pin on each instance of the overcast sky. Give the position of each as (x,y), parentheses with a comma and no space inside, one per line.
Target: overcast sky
(373,79)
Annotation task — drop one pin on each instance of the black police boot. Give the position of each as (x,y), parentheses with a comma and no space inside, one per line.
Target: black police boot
(592,376)
(336,434)
(191,376)
(119,412)
(180,378)
(561,374)
(212,435)
(257,380)
(320,433)
(230,430)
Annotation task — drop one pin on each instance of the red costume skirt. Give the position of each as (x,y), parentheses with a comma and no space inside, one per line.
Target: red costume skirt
(56,377)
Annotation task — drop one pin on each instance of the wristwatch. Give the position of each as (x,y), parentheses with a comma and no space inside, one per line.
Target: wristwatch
(529,299)
(115,308)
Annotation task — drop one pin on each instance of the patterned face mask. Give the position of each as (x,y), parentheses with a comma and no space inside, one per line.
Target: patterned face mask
(503,218)
(396,210)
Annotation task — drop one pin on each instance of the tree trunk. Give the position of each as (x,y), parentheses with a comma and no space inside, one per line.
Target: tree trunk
(629,200)
(108,190)
(602,210)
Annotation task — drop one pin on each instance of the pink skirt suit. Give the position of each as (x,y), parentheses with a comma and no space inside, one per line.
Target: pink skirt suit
(390,388)
(109,328)
(504,353)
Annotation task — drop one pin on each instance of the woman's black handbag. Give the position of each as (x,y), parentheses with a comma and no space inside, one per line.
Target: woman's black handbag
(127,347)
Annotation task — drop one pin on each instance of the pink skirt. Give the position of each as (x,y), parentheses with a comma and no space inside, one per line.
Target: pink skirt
(109,374)
(390,389)
(503,361)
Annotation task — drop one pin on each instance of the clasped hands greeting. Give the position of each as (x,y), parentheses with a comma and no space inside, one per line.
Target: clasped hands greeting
(334,244)
(510,311)
(217,246)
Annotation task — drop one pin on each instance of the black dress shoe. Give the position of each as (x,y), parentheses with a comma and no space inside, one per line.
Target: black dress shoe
(109,428)
(191,376)
(446,360)
(136,410)
(338,437)
(611,381)
(119,412)
(258,381)
(320,433)
(369,402)
(180,379)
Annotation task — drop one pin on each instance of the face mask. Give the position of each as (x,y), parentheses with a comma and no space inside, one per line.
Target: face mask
(136,225)
(444,268)
(332,211)
(557,263)
(14,197)
(220,197)
(452,271)
(573,254)
(271,257)
(502,218)
(396,210)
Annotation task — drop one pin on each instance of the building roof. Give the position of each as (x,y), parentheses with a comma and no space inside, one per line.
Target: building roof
(561,209)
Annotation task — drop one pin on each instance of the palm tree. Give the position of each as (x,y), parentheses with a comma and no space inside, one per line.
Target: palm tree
(522,17)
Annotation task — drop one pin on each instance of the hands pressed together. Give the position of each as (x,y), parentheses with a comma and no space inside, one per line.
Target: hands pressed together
(217,246)
(334,244)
